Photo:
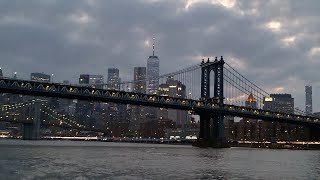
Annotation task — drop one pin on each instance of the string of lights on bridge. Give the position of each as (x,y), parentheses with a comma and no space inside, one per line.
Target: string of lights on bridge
(60,117)
(46,110)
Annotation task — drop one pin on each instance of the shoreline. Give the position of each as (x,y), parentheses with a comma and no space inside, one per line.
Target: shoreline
(262,145)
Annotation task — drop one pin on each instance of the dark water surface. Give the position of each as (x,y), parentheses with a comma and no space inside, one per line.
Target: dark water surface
(100,160)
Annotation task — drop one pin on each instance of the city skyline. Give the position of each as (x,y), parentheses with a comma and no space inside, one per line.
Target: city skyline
(278,48)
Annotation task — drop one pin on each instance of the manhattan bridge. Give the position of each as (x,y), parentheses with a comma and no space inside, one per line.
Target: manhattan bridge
(215,90)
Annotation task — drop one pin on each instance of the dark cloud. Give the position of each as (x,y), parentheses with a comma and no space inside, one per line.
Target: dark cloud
(72,37)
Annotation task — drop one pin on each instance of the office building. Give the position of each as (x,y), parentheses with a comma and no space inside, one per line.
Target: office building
(280,103)
(138,114)
(247,129)
(117,119)
(40,77)
(281,131)
(251,102)
(84,79)
(1,74)
(308,100)
(88,112)
(139,78)
(113,79)
(153,73)
(152,82)
(173,88)
(95,81)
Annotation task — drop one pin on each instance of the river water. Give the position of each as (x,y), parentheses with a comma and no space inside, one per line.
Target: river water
(104,160)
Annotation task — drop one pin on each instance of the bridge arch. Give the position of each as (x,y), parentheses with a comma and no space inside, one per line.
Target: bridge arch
(216,67)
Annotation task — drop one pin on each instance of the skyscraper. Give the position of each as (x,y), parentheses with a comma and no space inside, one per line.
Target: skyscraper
(86,111)
(113,79)
(173,88)
(93,80)
(84,79)
(96,80)
(152,81)
(279,103)
(116,121)
(251,102)
(139,79)
(1,72)
(138,114)
(153,73)
(247,128)
(309,100)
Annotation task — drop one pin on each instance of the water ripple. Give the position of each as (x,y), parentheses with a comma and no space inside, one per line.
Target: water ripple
(99,160)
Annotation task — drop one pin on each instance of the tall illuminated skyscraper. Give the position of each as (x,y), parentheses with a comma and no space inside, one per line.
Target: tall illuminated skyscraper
(152,81)
(309,100)
(1,72)
(153,73)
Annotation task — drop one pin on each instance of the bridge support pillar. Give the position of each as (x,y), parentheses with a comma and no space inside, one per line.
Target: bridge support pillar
(314,132)
(31,131)
(211,131)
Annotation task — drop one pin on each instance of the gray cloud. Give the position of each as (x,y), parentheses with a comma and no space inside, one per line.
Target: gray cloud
(72,37)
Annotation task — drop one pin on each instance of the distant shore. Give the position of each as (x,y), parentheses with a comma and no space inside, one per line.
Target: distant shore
(280,145)
(295,145)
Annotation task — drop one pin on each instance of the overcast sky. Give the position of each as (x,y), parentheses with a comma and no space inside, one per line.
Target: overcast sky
(275,44)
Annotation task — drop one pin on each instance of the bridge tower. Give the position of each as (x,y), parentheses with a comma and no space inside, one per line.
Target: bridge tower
(31,130)
(211,124)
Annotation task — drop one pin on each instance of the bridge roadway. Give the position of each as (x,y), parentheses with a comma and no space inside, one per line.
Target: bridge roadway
(16,86)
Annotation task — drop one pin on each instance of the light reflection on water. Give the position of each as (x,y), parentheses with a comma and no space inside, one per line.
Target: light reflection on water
(101,160)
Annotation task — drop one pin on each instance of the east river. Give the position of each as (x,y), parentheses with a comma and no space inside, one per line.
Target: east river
(105,160)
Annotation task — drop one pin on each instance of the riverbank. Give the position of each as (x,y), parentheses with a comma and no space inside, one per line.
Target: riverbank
(295,145)
(280,145)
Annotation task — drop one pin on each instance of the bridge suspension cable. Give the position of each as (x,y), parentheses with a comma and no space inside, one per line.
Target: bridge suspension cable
(236,81)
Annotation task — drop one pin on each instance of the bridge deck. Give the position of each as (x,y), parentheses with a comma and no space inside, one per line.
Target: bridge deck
(24,87)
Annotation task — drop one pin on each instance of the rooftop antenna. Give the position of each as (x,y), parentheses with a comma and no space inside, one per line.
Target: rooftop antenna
(153,39)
